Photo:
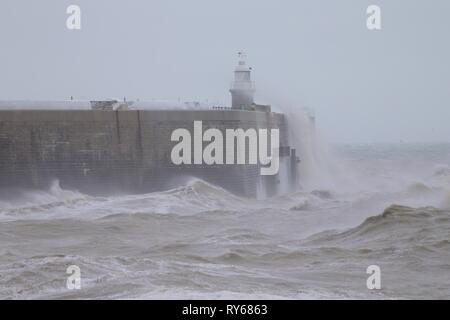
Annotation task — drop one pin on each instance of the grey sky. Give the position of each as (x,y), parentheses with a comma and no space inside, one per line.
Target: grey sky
(391,85)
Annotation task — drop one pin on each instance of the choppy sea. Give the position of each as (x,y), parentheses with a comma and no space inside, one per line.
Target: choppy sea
(388,205)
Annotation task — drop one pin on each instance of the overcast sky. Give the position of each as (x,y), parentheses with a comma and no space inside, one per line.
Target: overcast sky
(391,85)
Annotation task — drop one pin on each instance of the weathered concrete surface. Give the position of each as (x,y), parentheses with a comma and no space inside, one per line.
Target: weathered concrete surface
(102,152)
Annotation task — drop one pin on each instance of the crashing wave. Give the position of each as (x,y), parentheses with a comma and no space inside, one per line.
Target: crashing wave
(31,201)
(398,226)
(195,197)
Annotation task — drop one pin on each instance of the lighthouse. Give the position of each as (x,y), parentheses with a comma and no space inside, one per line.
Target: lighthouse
(242,89)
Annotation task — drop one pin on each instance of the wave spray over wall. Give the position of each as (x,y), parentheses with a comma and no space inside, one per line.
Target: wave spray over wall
(317,168)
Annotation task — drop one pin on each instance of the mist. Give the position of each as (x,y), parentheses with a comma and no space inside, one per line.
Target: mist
(386,86)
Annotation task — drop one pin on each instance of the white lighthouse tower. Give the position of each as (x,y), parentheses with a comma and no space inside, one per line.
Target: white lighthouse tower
(242,89)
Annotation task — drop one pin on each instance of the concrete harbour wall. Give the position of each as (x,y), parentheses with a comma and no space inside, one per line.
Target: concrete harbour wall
(103,152)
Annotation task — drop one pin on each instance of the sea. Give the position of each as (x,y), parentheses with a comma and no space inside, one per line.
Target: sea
(356,206)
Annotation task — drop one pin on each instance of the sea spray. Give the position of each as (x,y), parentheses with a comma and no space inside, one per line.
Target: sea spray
(316,166)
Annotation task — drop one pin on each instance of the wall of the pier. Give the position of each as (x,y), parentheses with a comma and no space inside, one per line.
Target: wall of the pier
(113,151)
